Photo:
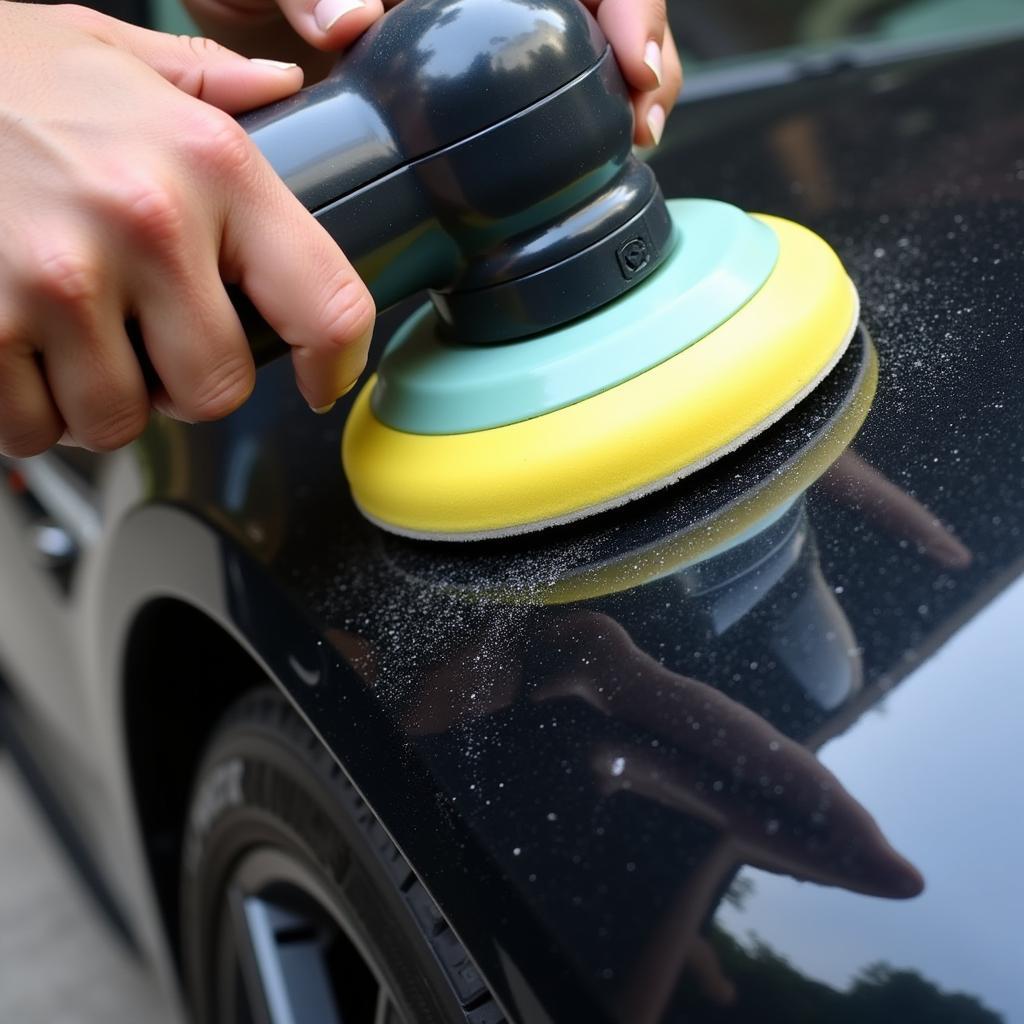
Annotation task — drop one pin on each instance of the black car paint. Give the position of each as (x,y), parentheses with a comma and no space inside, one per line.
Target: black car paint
(465,708)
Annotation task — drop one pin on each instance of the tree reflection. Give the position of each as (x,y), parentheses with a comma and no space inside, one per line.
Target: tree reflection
(767,988)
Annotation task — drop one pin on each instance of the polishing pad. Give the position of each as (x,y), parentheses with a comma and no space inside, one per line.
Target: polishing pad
(681,391)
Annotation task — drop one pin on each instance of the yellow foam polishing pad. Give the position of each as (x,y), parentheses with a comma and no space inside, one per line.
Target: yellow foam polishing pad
(718,532)
(624,442)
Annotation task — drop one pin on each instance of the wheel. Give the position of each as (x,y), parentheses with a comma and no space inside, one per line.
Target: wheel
(296,907)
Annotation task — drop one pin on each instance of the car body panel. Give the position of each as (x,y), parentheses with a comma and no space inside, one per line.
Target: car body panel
(526,717)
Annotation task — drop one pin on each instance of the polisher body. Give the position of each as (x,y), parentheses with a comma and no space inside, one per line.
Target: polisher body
(713,389)
(585,342)
(479,150)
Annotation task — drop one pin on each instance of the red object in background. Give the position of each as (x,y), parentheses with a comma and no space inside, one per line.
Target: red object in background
(16,482)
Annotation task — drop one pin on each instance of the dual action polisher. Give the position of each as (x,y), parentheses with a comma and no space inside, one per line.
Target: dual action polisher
(586,342)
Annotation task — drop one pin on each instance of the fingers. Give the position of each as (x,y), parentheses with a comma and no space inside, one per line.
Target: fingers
(200,382)
(76,301)
(29,420)
(223,78)
(652,108)
(331,24)
(93,375)
(302,284)
(192,334)
(71,368)
(646,52)
(324,24)
(636,31)
(286,263)
(135,208)
(200,67)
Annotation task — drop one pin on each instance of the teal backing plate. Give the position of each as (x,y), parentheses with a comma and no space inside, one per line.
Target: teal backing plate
(721,258)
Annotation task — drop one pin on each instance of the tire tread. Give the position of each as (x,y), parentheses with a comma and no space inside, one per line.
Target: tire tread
(268,709)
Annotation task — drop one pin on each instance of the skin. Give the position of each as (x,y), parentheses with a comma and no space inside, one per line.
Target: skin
(141,205)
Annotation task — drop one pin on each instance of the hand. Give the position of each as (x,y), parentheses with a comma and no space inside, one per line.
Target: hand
(642,40)
(127,193)
(303,30)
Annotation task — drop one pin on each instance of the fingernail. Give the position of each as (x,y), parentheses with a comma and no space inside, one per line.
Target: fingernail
(325,409)
(168,409)
(341,394)
(652,58)
(347,372)
(328,12)
(656,122)
(278,65)
(350,370)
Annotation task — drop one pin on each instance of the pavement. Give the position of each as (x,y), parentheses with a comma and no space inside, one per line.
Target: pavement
(59,962)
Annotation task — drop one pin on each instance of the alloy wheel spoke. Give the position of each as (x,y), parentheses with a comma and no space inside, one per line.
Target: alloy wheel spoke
(281,957)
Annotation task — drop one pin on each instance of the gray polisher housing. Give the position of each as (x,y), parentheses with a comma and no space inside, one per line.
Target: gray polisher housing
(481,150)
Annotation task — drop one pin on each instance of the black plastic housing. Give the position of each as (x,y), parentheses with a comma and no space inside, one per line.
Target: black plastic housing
(481,149)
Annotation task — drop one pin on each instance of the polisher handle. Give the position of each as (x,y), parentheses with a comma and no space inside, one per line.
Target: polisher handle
(479,149)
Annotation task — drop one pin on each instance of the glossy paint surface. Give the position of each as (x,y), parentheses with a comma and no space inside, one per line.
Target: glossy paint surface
(779,778)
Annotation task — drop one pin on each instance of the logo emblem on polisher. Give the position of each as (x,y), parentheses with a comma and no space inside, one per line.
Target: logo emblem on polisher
(633,257)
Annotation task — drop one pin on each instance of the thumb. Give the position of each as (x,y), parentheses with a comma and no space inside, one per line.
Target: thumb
(202,68)
(331,24)
(328,25)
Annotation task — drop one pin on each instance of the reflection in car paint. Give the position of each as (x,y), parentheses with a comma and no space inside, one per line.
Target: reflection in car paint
(842,595)
(696,751)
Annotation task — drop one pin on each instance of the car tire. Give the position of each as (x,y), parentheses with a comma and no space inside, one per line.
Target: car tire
(295,903)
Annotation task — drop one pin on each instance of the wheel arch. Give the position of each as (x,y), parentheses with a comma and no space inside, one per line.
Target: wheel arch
(173,695)
(185,620)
